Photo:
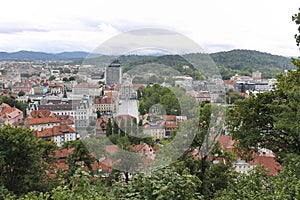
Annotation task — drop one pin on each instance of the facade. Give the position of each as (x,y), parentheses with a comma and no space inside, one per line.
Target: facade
(56,89)
(59,109)
(155,131)
(39,124)
(106,104)
(58,134)
(88,89)
(113,73)
(10,115)
(126,91)
(84,113)
(242,167)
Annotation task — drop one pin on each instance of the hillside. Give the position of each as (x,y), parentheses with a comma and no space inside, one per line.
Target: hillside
(242,62)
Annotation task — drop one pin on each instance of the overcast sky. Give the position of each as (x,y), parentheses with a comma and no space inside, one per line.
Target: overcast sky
(216,25)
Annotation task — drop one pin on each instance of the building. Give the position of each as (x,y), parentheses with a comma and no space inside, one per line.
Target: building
(242,166)
(106,104)
(10,115)
(88,89)
(256,75)
(39,124)
(126,91)
(40,114)
(56,89)
(113,73)
(58,134)
(155,131)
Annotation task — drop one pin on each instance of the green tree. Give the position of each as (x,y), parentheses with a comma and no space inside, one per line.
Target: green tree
(80,157)
(21,93)
(167,183)
(65,79)
(259,185)
(271,120)
(72,78)
(116,129)
(52,77)
(109,127)
(22,160)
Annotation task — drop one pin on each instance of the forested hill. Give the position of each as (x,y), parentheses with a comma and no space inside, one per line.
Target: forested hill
(244,62)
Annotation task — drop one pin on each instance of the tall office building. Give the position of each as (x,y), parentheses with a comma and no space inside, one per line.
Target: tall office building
(113,73)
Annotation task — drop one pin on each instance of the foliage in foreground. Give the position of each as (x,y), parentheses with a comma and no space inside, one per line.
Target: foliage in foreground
(163,184)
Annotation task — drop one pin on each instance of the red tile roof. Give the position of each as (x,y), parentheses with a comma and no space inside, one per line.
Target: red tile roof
(101,100)
(65,119)
(87,85)
(55,130)
(9,112)
(63,153)
(41,114)
(268,162)
(169,118)
(226,142)
(37,121)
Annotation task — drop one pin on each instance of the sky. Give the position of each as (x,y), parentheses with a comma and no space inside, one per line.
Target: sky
(215,25)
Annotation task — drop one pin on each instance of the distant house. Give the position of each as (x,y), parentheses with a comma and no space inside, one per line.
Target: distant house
(155,131)
(87,89)
(61,164)
(263,158)
(39,124)
(170,124)
(66,120)
(146,151)
(105,104)
(10,115)
(56,88)
(242,166)
(60,109)
(40,114)
(22,86)
(58,134)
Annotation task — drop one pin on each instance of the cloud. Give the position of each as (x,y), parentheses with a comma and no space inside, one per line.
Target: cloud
(74,25)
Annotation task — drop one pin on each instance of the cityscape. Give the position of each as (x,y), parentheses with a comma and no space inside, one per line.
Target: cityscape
(117,100)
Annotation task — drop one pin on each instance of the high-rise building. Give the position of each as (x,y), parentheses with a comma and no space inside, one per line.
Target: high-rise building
(113,73)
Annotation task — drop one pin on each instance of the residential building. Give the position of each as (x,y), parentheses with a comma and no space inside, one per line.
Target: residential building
(106,104)
(56,89)
(242,166)
(10,115)
(87,89)
(155,131)
(39,124)
(58,134)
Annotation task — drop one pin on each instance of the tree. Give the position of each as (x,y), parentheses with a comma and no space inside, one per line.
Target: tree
(271,120)
(65,79)
(21,93)
(259,185)
(23,160)
(109,127)
(79,157)
(167,183)
(52,77)
(296,19)
(72,78)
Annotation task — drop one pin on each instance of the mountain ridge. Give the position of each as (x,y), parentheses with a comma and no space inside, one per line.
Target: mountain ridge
(238,61)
